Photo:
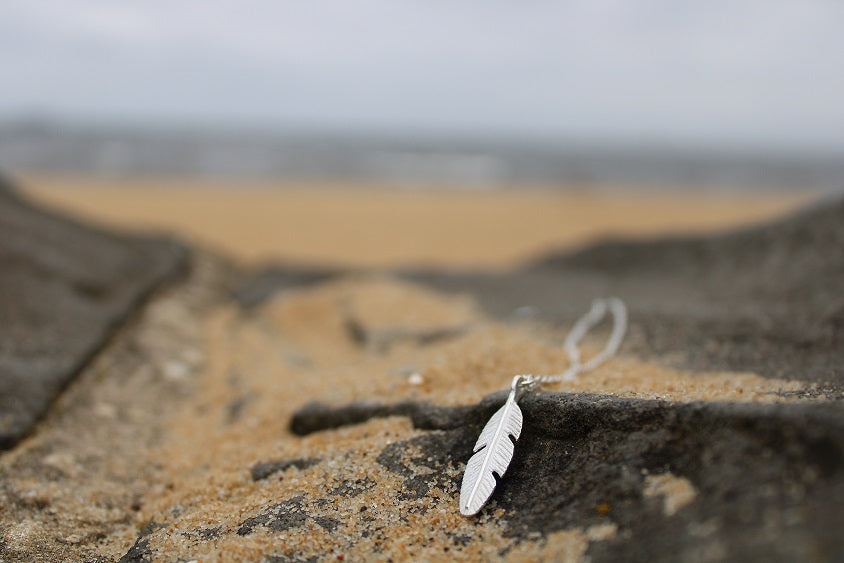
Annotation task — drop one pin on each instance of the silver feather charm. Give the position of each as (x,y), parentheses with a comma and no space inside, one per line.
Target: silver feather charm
(493,452)
(494,449)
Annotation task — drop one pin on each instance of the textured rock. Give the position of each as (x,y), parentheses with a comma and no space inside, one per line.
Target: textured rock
(597,475)
(63,288)
(72,491)
(336,420)
(766,299)
(254,289)
(759,482)
(658,480)
(315,416)
(266,468)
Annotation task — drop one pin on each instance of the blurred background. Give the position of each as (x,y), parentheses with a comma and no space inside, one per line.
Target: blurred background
(378,133)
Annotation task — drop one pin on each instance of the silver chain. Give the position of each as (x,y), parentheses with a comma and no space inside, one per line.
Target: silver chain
(584,324)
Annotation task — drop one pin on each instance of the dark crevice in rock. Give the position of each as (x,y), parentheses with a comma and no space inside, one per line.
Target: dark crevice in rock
(315,417)
(277,518)
(382,340)
(267,468)
(140,551)
(255,288)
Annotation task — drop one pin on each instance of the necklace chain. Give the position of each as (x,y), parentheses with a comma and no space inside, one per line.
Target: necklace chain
(584,324)
(494,448)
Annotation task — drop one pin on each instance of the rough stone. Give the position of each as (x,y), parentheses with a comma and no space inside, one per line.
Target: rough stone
(278,517)
(265,469)
(765,299)
(768,480)
(75,489)
(314,417)
(381,341)
(350,488)
(600,476)
(253,289)
(64,287)
(140,552)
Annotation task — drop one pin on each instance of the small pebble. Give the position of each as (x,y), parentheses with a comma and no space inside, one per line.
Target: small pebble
(416,379)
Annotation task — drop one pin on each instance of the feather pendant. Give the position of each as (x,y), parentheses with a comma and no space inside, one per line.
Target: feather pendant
(493,452)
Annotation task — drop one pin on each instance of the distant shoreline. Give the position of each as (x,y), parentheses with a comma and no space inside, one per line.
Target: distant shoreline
(417,162)
(373,226)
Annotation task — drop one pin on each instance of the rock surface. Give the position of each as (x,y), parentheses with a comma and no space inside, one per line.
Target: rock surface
(73,489)
(64,287)
(765,299)
(333,419)
(684,482)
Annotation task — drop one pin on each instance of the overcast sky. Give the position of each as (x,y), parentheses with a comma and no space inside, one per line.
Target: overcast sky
(762,73)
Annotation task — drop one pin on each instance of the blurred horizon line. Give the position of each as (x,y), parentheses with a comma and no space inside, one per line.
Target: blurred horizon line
(411,158)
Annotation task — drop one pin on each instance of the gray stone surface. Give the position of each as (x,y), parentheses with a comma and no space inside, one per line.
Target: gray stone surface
(74,489)
(253,289)
(769,479)
(766,299)
(64,287)
(266,469)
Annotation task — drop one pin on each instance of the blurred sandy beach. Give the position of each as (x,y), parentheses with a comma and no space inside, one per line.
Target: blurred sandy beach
(372,225)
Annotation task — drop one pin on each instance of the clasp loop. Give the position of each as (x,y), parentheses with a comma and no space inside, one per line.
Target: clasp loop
(524,382)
